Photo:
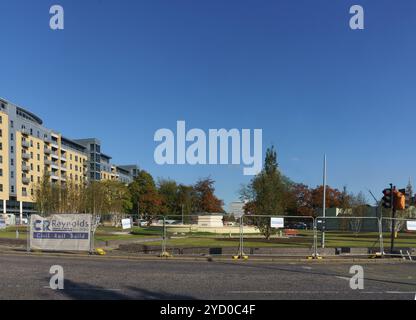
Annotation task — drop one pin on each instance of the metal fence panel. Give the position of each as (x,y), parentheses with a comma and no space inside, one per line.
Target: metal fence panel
(279,235)
(148,240)
(402,241)
(348,236)
(201,235)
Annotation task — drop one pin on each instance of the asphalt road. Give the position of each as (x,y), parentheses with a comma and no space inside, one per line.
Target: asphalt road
(27,277)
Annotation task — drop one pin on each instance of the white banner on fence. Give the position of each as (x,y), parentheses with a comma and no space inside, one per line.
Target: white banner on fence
(61,232)
(277,223)
(126,223)
(411,225)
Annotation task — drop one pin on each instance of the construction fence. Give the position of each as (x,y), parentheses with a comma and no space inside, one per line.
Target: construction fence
(274,235)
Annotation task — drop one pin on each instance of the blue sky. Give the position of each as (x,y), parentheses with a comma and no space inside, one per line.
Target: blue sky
(123,69)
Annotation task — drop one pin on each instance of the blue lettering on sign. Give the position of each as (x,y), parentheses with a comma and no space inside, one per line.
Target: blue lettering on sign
(36,225)
(46,224)
(61,235)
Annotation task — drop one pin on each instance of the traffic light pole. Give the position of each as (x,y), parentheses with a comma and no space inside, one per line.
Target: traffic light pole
(393,222)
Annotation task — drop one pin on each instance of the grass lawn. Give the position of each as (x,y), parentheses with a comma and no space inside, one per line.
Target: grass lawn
(304,240)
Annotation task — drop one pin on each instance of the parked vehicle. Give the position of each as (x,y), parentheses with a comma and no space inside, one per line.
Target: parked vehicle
(143,223)
(300,225)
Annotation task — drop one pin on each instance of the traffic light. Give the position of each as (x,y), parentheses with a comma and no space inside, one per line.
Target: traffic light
(387,198)
(407,198)
(399,200)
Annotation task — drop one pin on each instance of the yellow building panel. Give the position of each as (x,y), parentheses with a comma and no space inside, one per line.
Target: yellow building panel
(30,164)
(4,157)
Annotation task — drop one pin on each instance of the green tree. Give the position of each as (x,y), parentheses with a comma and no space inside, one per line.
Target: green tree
(266,194)
(205,198)
(169,193)
(144,195)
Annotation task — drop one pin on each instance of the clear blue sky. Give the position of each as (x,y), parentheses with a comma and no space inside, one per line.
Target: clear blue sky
(123,69)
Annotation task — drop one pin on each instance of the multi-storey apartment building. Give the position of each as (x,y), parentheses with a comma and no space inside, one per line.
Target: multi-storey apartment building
(28,150)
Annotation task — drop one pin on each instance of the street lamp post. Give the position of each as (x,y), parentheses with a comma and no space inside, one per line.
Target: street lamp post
(324,204)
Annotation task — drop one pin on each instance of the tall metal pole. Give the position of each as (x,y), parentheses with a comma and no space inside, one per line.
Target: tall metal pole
(182,212)
(393,216)
(324,204)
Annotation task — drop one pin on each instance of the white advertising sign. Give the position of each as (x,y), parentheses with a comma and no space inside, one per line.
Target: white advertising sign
(126,223)
(277,223)
(411,225)
(2,223)
(61,232)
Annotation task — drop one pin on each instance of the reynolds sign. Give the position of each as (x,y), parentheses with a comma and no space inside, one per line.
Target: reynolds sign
(61,232)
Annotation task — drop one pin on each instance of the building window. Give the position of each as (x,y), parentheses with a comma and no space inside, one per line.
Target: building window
(11,149)
(1,188)
(12,189)
(1,172)
(12,162)
(11,124)
(12,136)
(12,174)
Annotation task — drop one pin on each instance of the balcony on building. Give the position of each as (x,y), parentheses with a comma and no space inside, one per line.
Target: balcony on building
(25,155)
(25,179)
(25,168)
(54,175)
(47,150)
(25,144)
(25,132)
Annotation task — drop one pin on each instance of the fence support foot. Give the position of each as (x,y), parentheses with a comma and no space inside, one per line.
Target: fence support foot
(165,254)
(241,256)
